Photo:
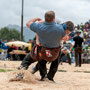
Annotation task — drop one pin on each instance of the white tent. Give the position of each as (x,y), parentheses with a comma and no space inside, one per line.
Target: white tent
(17,43)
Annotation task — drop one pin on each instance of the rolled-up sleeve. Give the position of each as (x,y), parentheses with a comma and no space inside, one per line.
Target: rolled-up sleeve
(34,27)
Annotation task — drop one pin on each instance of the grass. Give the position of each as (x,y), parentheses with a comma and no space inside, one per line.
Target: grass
(86,71)
(82,71)
(77,71)
(5,70)
(61,70)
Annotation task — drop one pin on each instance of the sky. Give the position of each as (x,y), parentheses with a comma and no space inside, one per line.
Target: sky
(73,10)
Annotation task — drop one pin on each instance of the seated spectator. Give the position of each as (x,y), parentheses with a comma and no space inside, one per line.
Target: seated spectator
(11,48)
(65,52)
(23,48)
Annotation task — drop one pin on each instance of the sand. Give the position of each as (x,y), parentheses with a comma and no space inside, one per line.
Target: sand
(68,77)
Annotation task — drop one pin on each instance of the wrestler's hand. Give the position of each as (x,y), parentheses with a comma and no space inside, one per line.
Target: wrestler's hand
(32,20)
(38,19)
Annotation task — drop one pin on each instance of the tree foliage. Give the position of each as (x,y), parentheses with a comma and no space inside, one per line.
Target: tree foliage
(9,34)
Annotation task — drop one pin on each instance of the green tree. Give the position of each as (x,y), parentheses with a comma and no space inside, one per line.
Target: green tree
(9,34)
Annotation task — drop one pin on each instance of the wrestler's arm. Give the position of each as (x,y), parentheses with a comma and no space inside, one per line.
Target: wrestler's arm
(28,24)
(37,37)
(66,37)
(72,47)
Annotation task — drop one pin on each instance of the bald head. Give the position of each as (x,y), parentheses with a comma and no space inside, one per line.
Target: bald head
(49,16)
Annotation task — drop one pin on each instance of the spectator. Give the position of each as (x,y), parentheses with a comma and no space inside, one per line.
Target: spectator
(78,48)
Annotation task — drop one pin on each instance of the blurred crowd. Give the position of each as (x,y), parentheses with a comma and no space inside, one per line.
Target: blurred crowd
(5,50)
(68,51)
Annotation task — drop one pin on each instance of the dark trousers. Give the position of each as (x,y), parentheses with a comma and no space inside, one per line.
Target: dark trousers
(78,52)
(27,61)
(41,66)
(21,56)
(52,71)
